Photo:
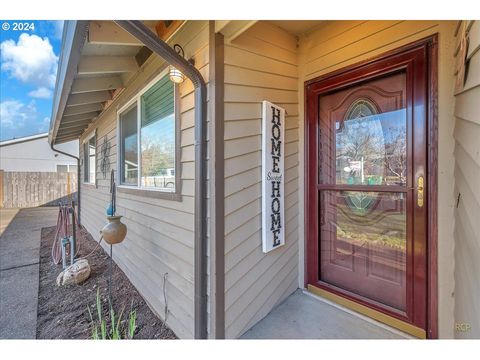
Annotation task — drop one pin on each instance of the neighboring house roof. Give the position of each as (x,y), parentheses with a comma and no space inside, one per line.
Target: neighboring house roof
(33,154)
(23,139)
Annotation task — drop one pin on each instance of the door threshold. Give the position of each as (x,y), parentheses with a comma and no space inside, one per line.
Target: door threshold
(373,316)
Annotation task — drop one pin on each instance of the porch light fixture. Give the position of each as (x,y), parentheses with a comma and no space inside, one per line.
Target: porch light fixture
(176,75)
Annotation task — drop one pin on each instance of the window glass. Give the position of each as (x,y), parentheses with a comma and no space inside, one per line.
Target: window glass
(147,145)
(129,143)
(158,136)
(366,140)
(371,150)
(89,161)
(85,163)
(92,143)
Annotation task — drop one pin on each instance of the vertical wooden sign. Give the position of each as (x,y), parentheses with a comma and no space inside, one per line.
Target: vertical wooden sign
(273,176)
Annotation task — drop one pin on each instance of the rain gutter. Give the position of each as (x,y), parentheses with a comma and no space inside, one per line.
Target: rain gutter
(158,46)
(78,178)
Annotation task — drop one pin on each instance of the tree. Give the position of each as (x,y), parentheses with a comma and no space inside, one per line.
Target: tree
(156,157)
(395,159)
(383,150)
(357,142)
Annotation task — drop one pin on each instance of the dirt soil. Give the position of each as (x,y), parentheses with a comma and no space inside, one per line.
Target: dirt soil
(62,311)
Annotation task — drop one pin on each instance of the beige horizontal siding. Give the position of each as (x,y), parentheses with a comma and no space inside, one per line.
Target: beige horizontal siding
(467,187)
(336,44)
(340,43)
(160,232)
(261,64)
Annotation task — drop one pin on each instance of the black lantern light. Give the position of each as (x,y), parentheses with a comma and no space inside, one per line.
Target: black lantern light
(176,75)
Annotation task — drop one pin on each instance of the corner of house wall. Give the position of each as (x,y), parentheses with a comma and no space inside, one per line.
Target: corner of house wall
(446,166)
(467,180)
(301,163)
(216,241)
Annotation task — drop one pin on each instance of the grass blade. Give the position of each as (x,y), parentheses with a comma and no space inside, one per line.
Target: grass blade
(132,324)
(99,306)
(103,329)
(94,325)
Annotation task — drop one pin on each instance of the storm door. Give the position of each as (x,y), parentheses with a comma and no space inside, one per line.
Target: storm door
(366,143)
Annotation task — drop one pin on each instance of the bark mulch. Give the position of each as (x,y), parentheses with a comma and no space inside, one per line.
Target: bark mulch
(62,311)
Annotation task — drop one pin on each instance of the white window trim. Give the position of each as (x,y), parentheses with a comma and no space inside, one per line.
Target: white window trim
(86,140)
(136,100)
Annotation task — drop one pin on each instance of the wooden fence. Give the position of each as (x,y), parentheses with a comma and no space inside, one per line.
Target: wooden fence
(30,189)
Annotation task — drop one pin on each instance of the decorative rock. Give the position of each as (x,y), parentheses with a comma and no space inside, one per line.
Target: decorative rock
(75,273)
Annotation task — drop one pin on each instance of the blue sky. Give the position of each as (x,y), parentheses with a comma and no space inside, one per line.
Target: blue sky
(29,60)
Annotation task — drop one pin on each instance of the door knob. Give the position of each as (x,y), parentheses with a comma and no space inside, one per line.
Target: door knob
(420,191)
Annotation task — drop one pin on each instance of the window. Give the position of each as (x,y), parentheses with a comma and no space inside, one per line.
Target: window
(67,168)
(62,168)
(147,131)
(89,160)
(129,153)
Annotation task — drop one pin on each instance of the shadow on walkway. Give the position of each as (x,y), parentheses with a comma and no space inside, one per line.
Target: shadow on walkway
(19,270)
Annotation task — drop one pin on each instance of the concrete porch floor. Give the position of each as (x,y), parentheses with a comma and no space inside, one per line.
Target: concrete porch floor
(305,316)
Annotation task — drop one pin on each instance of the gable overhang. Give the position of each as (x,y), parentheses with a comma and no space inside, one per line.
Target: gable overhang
(74,33)
(97,60)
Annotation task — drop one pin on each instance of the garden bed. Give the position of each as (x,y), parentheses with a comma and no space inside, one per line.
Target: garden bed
(62,311)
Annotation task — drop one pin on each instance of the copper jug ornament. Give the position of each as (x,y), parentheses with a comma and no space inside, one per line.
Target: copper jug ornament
(114,231)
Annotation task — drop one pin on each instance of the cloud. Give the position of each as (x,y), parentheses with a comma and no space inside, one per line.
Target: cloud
(15,114)
(41,93)
(30,60)
(44,125)
(19,119)
(53,29)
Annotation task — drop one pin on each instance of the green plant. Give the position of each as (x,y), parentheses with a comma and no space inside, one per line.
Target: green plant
(113,330)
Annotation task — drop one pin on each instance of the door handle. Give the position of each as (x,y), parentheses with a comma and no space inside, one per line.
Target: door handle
(420,191)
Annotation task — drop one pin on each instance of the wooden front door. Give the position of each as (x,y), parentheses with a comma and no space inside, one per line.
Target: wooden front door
(366,202)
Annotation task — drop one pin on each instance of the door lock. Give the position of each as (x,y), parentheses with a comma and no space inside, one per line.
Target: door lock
(420,190)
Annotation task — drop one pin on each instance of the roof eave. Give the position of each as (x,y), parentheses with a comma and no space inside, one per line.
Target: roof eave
(22,139)
(74,34)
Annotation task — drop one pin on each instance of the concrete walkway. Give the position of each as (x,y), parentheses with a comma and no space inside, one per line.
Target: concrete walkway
(304,316)
(19,269)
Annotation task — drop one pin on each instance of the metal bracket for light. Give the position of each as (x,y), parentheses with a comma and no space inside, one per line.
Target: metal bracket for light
(176,75)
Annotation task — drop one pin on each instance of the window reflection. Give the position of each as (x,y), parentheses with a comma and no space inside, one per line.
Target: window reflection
(148,139)
(89,162)
(364,244)
(129,153)
(158,153)
(371,150)
(91,159)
